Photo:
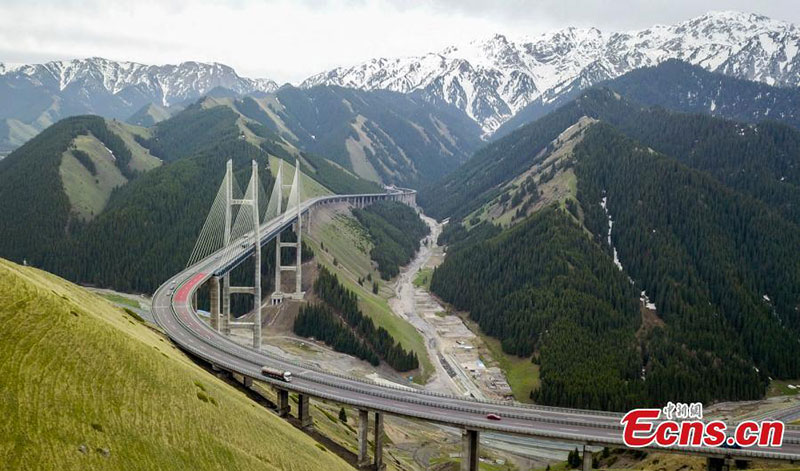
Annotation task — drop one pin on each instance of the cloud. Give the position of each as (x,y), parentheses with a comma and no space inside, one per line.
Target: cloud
(289,40)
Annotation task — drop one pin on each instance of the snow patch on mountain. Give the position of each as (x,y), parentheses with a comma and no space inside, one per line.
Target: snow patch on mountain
(493,78)
(604,205)
(8,67)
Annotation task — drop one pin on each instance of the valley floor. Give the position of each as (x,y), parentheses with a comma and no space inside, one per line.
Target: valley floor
(463,365)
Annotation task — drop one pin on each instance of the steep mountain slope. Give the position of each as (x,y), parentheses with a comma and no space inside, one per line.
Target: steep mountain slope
(133,237)
(493,79)
(680,86)
(109,393)
(36,96)
(715,269)
(213,119)
(150,226)
(149,115)
(759,160)
(395,230)
(379,135)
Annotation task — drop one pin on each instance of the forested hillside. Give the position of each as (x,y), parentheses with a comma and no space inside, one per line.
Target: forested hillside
(150,226)
(35,208)
(379,135)
(718,264)
(340,323)
(544,286)
(722,268)
(757,159)
(395,230)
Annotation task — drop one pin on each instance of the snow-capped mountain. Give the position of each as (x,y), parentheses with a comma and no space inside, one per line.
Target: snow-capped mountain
(492,79)
(37,95)
(165,84)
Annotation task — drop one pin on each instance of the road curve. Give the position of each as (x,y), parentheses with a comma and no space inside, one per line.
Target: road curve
(175,314)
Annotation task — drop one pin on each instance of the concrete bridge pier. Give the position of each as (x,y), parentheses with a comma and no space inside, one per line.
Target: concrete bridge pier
(363,442)
(378,443)
(283,403)
(225,322)
(587,459)
(469,451)
(304,411)
(214,294)
(363,439)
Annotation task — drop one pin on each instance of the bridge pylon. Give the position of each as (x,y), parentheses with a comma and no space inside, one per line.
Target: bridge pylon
(249,199)
(293,207)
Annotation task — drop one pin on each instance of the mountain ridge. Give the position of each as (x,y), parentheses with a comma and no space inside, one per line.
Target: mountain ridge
(764,168)
(38,95)
(493,79)
(118,75)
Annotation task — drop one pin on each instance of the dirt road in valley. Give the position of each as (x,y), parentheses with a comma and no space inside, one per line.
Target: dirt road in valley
(447,339)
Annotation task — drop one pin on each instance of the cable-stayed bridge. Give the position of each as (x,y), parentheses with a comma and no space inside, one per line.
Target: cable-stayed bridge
(240,223)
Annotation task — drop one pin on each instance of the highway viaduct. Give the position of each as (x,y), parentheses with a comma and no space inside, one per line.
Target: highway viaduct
(174,309)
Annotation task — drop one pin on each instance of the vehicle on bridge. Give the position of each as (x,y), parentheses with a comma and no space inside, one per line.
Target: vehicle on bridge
(277,374)
(492,416)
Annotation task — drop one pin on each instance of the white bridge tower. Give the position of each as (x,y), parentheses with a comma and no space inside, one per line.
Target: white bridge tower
(293,208)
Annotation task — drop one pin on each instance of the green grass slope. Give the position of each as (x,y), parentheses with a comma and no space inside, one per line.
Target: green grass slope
(336,235)
(89,185)
(86,386)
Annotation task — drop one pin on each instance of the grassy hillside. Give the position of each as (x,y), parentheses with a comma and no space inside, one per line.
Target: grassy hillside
(141,158)
(87,386)
(17,134)
(89,170)
(212,120)
(548,180)
(88,175)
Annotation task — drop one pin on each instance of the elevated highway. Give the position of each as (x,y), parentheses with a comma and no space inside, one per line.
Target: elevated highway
(174,311)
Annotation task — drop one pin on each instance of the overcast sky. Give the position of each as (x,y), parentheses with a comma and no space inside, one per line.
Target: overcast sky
(288,40)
